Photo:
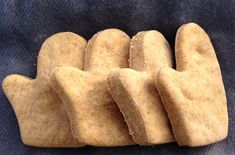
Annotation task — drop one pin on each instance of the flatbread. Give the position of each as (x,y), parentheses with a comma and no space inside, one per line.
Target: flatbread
(135,93)
(41,115)
(95,118)
(193,94)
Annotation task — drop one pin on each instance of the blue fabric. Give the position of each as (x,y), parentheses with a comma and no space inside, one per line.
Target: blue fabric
(24,25)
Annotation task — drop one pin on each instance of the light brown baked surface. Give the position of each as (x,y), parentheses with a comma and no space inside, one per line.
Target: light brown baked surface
(135,93)
(193,94)
(95,118)
(40,113)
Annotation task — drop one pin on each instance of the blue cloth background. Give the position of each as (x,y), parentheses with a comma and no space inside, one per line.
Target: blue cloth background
(24,25)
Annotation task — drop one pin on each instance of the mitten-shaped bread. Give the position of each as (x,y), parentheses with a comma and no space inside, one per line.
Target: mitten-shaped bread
(41,115)
(193,94)
(134,89)
(95,117)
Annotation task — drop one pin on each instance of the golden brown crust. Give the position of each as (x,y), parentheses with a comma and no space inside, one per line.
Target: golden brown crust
(95,117)
(194,95)
(135,92)
(41,115)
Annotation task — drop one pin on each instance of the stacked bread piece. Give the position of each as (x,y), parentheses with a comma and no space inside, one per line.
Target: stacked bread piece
(117,91)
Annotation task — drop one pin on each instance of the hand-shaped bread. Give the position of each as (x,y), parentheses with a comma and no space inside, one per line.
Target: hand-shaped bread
(134,89)
(193,94)
(95,118)
(40,113)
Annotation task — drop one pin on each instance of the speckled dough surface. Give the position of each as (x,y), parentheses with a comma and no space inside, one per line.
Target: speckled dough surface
(193,94)
(95,118)
(134,89)
(40,113)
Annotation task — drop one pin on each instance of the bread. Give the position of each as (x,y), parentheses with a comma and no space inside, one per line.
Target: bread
(135,93)
(193,94)
(95,118)
(41,115)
